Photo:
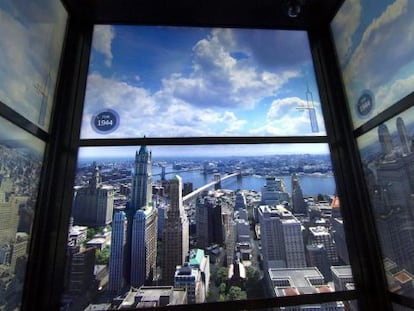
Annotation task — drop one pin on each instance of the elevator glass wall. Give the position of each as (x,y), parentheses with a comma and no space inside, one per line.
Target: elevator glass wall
(374,46)
(261,208)
(30,48)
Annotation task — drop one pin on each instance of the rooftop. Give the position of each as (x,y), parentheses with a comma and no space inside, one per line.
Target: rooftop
(342,271)
(298,277)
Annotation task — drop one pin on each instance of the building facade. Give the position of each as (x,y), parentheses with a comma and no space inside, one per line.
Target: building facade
(141,224)
(93,203)
(281,235)
(175,234)
(117,259)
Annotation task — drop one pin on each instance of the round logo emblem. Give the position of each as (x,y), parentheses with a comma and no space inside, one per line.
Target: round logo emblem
(365,104)
(105,121)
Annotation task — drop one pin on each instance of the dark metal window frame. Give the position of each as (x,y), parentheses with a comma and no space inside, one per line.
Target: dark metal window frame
(326,53)
(44,282)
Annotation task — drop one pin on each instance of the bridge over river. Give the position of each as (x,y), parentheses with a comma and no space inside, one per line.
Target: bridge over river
(217,181)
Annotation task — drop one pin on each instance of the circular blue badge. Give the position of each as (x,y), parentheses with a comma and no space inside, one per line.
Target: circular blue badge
(365,104)
(105,121)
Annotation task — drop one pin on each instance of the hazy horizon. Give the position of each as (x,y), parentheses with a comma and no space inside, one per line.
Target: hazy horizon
(206,151)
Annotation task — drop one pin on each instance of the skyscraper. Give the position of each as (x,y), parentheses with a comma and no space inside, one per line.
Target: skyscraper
(139,250)
(298,203)
(281,235)
(116,260)
(142,180)
(138,254)
(274,192)
(209,221)
(9,216)
(175,234)
(190,278)
(240,202)
(402,134)
(385,139)
(322,235)
(93,204)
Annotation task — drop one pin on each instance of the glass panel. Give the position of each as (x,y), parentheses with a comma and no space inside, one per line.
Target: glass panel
(222,221)
(30,47)
(20,166)
(375,50)
(388,160)
(182,81)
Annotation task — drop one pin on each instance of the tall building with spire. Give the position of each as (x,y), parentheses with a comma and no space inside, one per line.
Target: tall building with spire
(142,223)
(175,234)
(140,250)
(141,195)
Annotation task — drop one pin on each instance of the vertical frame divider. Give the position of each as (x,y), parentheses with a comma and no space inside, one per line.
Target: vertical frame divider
(45,273)
(361,234)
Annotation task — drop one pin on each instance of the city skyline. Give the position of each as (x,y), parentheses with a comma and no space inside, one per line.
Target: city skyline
(207,151)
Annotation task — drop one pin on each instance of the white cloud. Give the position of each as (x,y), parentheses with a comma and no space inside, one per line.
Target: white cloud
(284,119)
(218,79)
(390,93)
(29,57)
(234,126)
(142,114)
(386,46)
(344,25)
(102,41)
(214,99)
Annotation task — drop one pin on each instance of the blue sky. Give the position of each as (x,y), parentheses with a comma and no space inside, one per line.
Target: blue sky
(375,47)
(181,81)
(168,81)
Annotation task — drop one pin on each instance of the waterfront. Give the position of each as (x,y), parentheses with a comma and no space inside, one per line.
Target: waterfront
(312,184)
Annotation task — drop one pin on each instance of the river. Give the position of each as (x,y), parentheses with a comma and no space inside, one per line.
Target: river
(311,184)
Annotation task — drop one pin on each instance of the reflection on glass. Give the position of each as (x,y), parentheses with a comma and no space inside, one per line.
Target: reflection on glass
(20,166)
(30,47)
(204,223)
(375,54)
(192,82)
(388,160)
